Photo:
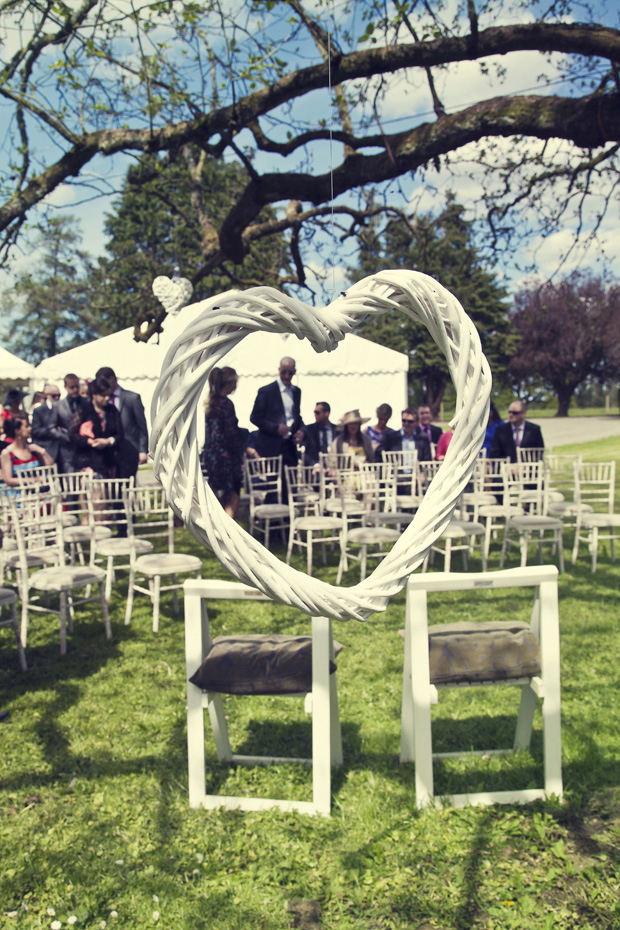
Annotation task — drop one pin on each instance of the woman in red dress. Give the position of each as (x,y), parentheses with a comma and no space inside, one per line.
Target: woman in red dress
(20,452)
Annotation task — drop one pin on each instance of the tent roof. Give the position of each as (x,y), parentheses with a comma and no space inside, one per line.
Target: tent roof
(13,367)
(257,355)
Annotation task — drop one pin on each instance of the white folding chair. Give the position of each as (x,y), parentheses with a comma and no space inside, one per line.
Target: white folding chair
(264,480)
(308,527)
(596,522)
(527,517)
(8,598)
(107,508)
(526,454)
(471,654)
(151,518)
(321,699)
(362,495)
(408,478)
(37,521)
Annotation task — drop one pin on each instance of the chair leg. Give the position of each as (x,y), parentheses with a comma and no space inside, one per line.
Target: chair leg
(108,578)
(156,594)
(20,649)
(104,611)
(63,621)
(321,716)
(309,541)
(129,606)
(175,598)
(594,546)
(525,720)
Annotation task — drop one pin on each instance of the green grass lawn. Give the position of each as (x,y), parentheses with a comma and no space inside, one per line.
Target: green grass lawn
(96,828)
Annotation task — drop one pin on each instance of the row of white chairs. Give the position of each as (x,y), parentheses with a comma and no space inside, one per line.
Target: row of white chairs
(460,656)
(67,532)
(364,509)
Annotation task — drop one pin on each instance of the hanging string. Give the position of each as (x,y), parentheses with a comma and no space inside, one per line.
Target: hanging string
(331,153)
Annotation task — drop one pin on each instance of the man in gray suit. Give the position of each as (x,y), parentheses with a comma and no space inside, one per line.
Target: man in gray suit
(43,432)
(60,421)
(133,448)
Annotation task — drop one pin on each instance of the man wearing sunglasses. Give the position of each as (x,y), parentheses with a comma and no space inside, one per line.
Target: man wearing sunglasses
(319,435)
(406,439)
(516,432)
(44,432)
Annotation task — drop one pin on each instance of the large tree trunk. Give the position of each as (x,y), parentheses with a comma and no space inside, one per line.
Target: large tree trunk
(564,396)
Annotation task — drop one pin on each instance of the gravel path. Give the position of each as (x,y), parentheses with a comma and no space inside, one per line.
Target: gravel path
(563,430)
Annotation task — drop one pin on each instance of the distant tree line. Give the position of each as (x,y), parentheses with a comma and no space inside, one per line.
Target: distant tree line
(553,338)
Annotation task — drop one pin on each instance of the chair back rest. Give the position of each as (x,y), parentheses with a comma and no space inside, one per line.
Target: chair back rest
(105,501)
(379,486)
(524,484)
(595,484)
(428,470)
(264,478)
(561,471)
(151,517)
(42,475)
(405,469)
(333,462)
(37,527)
(304,494)
(73,489)
(525,454)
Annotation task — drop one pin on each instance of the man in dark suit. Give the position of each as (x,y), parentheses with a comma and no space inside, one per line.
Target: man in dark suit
(406,439)
(43,432)
(133,448)
(425,426)
(517,432)
(62,414)
(319,435)
(276,413)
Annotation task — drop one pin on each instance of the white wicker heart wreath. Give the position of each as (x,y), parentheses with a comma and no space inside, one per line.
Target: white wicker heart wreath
(178,427)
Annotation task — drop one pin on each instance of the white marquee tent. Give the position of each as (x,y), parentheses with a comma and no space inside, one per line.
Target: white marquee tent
(13,368)
(357,374)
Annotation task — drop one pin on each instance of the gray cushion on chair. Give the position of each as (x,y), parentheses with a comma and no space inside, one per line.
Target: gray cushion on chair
(492,651)
(258,664)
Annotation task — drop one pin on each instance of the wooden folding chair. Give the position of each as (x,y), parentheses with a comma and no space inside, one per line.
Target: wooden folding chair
(321,699)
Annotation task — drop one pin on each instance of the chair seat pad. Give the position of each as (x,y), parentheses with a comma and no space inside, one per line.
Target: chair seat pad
(7,596)
(353,506)
(74,534)
(392,516)
(271,511)
(372,534)
(467,651)
(318,523)
(258,664)
(535,523)
(69,576)
(478,497)
(569,508)
(167,563)
(555,497)
(32,560)
(459,529)
(493,510)
(120,545)
(69,519)
(601,519)
(9,544)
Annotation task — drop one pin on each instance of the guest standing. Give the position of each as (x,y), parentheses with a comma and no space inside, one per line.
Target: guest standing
(492,424)
(96,432)
(224,446)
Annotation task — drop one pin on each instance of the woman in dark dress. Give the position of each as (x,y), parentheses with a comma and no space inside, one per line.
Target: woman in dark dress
(95,432)
(222,456)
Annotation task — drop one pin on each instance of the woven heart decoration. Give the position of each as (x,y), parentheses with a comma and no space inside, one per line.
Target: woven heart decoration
(172,293)
(178,428)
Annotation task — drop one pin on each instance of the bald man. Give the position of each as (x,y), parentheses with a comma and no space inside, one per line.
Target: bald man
(277,415)
(44,431)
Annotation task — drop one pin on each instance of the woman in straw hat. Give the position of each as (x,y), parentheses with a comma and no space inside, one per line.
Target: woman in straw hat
(351,438)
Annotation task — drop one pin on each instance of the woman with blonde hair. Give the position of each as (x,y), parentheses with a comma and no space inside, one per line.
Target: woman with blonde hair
(222,455)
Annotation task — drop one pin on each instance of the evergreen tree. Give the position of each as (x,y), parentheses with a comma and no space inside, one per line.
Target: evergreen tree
(166,218)
(443,247)
(49,308)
